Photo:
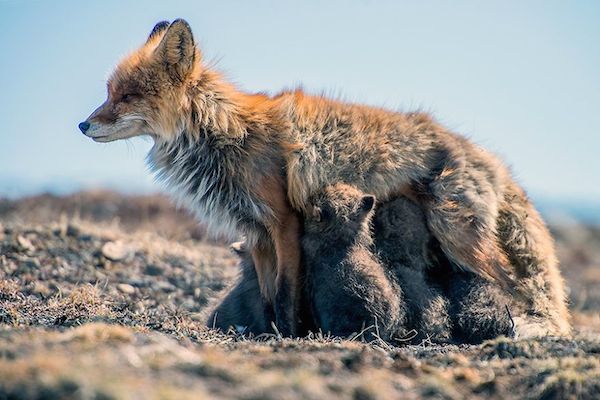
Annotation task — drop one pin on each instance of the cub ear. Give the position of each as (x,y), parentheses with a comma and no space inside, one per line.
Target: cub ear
(158,29)
(367,203)
(316,214)
(177,50)
(238,248)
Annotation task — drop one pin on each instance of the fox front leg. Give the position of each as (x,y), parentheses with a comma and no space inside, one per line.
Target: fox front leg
(278,268)
(286,238)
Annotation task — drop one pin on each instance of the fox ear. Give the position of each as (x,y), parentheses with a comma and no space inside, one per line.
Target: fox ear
(177,50)
(316,214)
(158,29)
(366,204)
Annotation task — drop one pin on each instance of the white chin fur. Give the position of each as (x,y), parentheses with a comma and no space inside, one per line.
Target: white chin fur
(116,136)
(124,128)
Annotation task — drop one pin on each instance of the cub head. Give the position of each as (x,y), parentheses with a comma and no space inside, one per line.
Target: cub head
(147,90)
(339,210)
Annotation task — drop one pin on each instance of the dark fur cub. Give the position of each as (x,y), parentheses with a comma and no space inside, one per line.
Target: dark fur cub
(243,308)
(480,309)
(347,285)
(442,304)
(405,246)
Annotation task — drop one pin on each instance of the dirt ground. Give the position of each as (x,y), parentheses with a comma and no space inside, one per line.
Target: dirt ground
(104,296)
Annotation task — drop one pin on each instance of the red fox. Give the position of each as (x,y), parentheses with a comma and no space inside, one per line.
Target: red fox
(248,163)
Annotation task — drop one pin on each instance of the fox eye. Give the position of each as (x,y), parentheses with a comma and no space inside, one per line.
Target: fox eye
(126,98)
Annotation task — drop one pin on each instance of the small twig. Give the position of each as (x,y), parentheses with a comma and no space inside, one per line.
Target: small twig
(426,342)
(359,334)
(265,335)
(381,343)
(276,330)
(512,321)
(410,335)
(214,324)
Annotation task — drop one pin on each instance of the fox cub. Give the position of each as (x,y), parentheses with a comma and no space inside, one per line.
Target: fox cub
(358,281)
(249,163)
(447,305)
(405,246)
(242,309)
(348,288)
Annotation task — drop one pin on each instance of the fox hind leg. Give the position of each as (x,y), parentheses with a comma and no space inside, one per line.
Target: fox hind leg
(530,248)
(462,208)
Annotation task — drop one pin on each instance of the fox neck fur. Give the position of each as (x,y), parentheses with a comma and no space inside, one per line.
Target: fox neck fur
(227,145)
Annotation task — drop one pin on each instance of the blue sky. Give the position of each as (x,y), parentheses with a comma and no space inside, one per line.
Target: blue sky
(521,78)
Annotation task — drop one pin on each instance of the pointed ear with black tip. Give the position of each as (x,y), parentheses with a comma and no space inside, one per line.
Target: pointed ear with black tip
(158,29)
(177,51)
(367,203)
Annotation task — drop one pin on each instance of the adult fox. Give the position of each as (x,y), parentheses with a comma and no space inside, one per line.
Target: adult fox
(247,163)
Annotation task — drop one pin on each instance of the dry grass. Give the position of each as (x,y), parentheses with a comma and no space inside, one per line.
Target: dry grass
(78,323)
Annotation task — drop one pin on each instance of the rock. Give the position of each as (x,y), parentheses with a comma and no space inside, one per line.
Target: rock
(139,307)
(31,263)
(136,282)
(198,317)
(153,270)
(85,237)
(41,289)
(126,288)
(164,286)
(25,244)
(72,230)
(115,251)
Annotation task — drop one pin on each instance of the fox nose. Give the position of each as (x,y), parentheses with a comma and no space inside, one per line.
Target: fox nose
(84,126)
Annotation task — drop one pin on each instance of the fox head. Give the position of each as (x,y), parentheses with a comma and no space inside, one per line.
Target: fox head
(340,210)
(147,90)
